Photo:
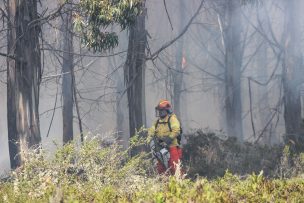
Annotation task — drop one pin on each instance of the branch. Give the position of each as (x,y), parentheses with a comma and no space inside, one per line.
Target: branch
(212,56)
(268,123)
(250,104)
(252,56)
(221,30)
(168,14)
(262,33)
(272,74)
(7,55)
(54,110)
(56,75)
(4,14)
(51,16)
(166,45)
(208,73)
(79,54)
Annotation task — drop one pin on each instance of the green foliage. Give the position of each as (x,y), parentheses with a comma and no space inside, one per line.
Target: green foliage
(78,172)
(95,16)
(97,173)
(291,164)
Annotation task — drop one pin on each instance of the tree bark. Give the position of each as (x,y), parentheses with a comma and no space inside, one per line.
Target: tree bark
(233,63)
(134,73)
(120,115)
(293,75)
(23,78)
(67,80)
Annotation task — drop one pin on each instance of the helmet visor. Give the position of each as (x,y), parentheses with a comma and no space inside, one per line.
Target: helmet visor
(161,113)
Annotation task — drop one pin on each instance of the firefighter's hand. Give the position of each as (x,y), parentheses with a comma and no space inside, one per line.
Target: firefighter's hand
(163,144)
(168,140)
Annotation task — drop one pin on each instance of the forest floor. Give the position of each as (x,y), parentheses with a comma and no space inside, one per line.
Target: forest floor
(96,173)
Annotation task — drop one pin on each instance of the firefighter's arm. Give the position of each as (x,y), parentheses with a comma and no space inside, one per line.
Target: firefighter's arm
(175,127)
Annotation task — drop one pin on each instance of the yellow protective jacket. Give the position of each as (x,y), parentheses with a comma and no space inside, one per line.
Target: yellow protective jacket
(163,129)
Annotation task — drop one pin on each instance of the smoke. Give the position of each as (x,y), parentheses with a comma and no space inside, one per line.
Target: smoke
(202,88)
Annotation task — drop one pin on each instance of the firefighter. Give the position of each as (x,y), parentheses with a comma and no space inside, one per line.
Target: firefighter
(166,132)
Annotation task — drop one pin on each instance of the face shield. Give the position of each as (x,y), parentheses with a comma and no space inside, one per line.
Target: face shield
(162,113)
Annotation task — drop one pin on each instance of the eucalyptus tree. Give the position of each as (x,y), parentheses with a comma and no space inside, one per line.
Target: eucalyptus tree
(67,73)
(93,17)
(231,28)
(134,72)
(293,73)
(92,22)
(23,77)
(24,62)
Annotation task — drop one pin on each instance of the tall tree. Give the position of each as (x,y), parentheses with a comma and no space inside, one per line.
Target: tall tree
(120,102)
(23,78)
(67,77)
(293,74)
(134,72)
(94,17)
(233,63)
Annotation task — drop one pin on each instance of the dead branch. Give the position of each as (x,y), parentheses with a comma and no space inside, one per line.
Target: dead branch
(168,14)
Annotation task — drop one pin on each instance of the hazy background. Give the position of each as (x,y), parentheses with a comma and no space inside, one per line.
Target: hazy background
(202,105)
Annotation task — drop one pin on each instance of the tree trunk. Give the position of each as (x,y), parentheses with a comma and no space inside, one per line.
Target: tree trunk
(67,81)
(293,75)
(121,135)
(233,63)
(134,73)
(23,78)
(177,75)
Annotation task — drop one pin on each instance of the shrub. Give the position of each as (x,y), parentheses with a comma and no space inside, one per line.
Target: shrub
(206,154)
(96,173)
(76,172)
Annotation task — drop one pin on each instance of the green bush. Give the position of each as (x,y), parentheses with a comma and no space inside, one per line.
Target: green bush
(91,173)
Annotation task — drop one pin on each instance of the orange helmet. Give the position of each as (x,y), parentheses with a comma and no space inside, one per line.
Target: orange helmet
(163,104)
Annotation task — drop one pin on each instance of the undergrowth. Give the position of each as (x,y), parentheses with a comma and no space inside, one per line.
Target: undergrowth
(96,173)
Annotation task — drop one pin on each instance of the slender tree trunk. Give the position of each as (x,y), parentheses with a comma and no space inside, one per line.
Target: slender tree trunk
(233,63)
(293,75)
(122,136)
(120,114)
(177,75)
(23,78)
(67,80)
(134,73)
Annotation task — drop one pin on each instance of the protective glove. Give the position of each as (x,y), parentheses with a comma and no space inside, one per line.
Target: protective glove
(168,140)
(163,144)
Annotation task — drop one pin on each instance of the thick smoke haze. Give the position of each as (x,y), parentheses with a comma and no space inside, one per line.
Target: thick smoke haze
(100,80)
